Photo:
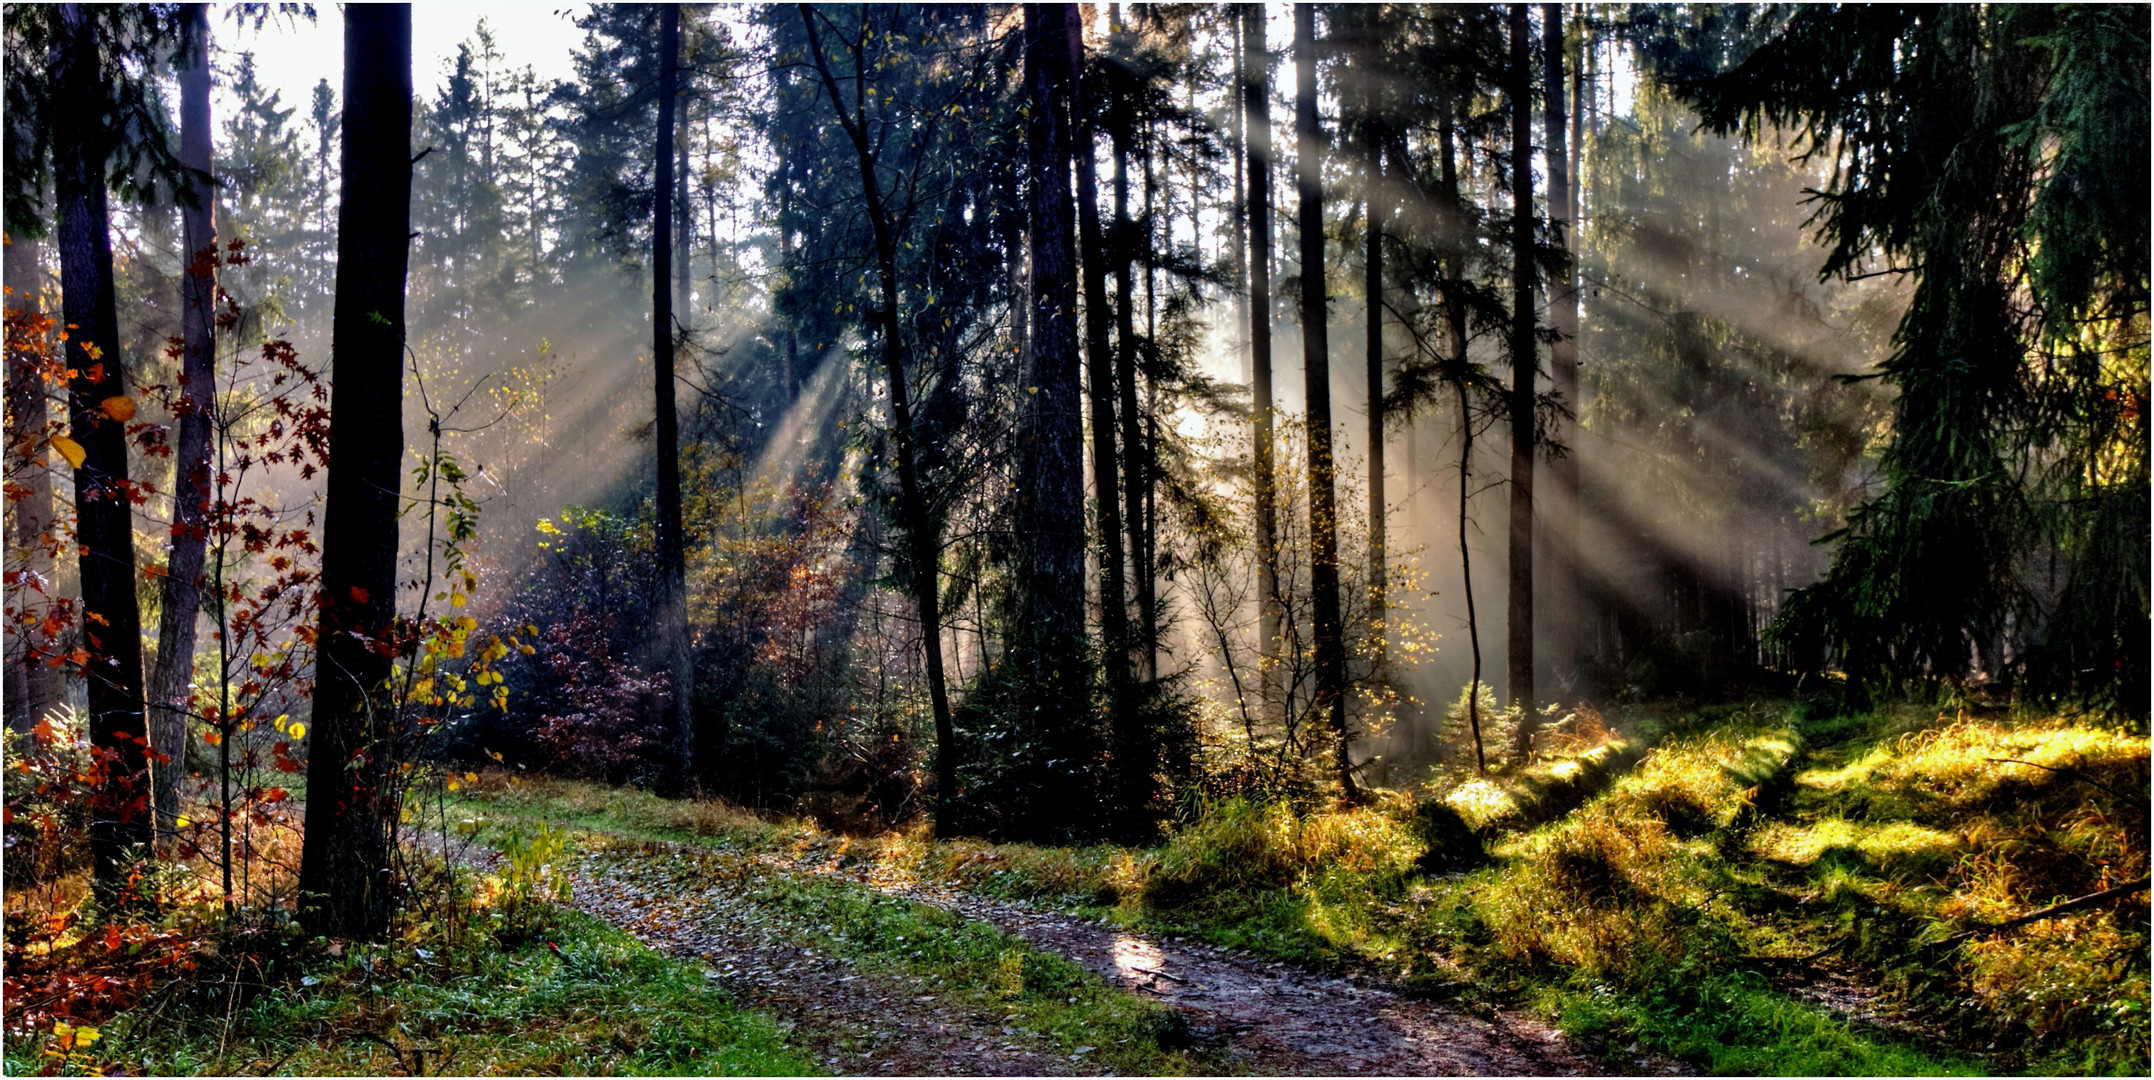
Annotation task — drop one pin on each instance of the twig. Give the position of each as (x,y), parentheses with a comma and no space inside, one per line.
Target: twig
(1160,974)
(2065,908)
(2063,772)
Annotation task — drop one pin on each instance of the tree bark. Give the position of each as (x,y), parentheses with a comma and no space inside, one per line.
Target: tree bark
(1562,511)
(672,624)
(111,619)
(1316,375)
(182,600)
(1373,286)
(923,542)
(344,876)
(1519,659)
(1099,371)
(1256,111)
(1050,465)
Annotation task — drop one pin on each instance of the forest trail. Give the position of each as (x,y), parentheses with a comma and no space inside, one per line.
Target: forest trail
(1244,1014)
(1281,1018)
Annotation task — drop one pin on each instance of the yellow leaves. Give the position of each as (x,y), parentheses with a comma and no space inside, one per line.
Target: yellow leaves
(181,822)
(456,599)
(71,1037)
(69,449)
(298,731)
(466,623)
(120,408)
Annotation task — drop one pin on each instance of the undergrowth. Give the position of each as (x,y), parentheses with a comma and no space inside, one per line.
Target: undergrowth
(1691,902)
(578,998)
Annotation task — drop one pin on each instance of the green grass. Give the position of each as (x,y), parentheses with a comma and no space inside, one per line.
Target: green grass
(966,961)
(1661,910)
(603,1003)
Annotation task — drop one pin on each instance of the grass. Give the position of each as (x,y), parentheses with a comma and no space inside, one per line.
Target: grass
(578,999)
(1673,904)
(967,961)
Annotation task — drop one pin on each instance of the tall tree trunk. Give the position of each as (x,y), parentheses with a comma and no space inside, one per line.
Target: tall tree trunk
(1465,563)
(33,686)
(684,211)
(1051,462)
(111,620)
(922,539)
(1316,375)
(1562,512)
(1099,371)
(1135,470)
(344,884)
(182,599)
(1239,138)
(1373,286)
(1523,368)
(672,623)
(1256,111)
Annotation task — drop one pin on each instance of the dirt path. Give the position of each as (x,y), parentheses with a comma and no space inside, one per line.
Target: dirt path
(1276,1017)
(853,1021)
(1260,1016)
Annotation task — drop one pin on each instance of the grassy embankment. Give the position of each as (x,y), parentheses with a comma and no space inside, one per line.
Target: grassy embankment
(571,996)
(1684,907)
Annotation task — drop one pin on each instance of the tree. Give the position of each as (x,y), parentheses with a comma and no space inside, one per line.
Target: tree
(1524,367)
(1256,109)
(1316,374)
(1992,154)
(1099,375)
(923,540)
(344,869)
(182,578)
(1561,528)
(672,630)
(98,406)
(1049,636)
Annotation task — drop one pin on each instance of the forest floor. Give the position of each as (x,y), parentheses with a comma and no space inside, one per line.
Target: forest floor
(866,1003)
(1760,892)
(1742,889)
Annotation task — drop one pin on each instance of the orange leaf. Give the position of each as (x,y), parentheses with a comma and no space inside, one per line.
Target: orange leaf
(69,449)
(120,408)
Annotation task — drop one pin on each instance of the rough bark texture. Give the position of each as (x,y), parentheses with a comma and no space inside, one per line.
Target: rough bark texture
(111,619)
(1561,514)
(671,643)
(1099,372)
(1050,466)
(182,581)
(33,686)
(1519,660)
(1136,465)
(1316,375)
(923,541)
(1256,109)
(344,876)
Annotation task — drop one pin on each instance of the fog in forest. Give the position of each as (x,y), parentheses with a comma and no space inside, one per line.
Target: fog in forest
(1719,420)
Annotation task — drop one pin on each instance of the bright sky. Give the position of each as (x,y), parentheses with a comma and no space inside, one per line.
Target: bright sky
(292,55)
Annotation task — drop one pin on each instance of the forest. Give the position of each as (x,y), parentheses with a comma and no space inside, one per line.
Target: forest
(1044,539)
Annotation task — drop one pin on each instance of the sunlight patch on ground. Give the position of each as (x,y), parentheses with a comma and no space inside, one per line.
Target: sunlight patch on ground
(1135,955)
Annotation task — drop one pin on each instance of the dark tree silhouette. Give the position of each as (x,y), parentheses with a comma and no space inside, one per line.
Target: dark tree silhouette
(344,868)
